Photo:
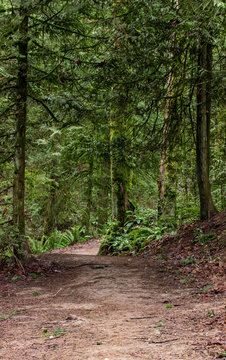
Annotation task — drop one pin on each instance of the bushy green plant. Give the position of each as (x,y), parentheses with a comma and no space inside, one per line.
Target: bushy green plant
(113,243)
(188,213)
(56,240)
(145,216)
(140,236)
(37,246)
(132,238)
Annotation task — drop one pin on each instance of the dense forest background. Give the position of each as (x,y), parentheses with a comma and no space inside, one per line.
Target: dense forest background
(112,120)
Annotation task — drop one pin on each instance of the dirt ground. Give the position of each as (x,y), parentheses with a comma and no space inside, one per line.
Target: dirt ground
(108,308)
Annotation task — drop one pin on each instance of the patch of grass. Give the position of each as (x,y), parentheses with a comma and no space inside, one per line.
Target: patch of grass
(4,316)
(207,288)
(162,257)
(210,313)
(184,281)
(35,293)
(188,261)
(169,306)
(56,333)
(99,343)
(222,354)
(197,232)
(177,271)
(16,277)
(34,275)
(157,332)
(160,324)
(161,270)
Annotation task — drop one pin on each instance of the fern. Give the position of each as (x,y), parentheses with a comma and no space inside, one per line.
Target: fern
(56,240)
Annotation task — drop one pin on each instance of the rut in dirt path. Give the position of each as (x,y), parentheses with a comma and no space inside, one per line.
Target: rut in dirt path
(100,307)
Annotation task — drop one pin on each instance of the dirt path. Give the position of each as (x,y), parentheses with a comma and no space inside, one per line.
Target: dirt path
(106,308)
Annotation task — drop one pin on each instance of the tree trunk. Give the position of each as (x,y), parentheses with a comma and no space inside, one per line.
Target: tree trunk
(118,170)
(203,128)
(167,120)
(89,194)
(103,203)
(161,182)
(50,223)
(21,117)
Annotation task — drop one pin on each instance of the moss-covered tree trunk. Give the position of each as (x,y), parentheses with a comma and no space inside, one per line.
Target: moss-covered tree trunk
(20,140)
(203,128)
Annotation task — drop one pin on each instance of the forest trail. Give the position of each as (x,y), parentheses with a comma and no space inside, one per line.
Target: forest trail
(105,308)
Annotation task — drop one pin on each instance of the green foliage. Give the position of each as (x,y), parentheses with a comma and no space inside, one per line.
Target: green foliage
(162,256)
(187,213)
(16,277)
(132,238)
(204,238)
(160,324)
(210,313)
(51,335)
(82,71)
(188,261)
(56,240)
(34,275)
(169,306)
(184,281)
(10,244)
(146,216)
(114,242)
(198,232)
(207,288)
(11,313)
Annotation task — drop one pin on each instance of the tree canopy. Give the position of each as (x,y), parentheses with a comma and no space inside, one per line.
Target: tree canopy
(111,112)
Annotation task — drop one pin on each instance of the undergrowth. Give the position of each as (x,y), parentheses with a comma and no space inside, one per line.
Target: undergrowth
(56,240)
(133,237)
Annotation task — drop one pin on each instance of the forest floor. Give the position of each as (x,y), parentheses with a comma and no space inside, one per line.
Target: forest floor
(91,307)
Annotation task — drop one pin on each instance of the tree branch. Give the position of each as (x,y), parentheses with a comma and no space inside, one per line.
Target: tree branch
(7,159)
(46,107)
(9,187)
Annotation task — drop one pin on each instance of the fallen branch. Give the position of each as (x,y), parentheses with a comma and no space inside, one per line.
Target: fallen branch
(104,265)
(162,341)
(57,292)
(141,318)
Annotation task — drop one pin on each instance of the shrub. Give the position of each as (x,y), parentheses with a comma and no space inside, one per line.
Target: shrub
(56,240)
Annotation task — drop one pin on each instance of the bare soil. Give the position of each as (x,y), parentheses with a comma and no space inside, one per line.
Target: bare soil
(109,308)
